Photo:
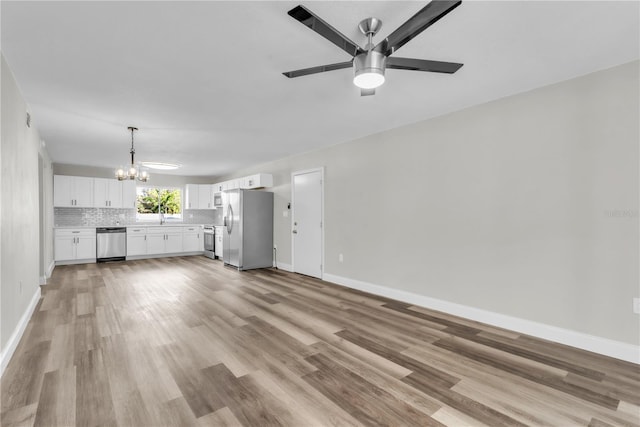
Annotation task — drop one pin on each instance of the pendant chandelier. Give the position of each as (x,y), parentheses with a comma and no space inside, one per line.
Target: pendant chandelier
(134,170)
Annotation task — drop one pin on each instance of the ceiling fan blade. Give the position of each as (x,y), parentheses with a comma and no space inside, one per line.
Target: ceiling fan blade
(367,92)
(318,69)
(419,22)
(306,17)
(422,65)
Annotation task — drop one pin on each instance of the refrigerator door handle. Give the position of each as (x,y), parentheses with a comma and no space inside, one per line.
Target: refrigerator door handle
(230,222)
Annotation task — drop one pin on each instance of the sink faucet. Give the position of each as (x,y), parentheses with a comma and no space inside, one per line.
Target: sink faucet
(162,220)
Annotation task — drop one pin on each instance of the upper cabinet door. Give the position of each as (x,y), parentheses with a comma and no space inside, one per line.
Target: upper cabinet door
(62,191)
(115,193)
(259,180)
(191,197)
(205,196)
(100,193)
(107,193)
(72,191)
(129,195)
(83,190)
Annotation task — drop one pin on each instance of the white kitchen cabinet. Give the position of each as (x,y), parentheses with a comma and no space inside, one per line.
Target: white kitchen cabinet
(155,244)
(192,239)
(259,180)
(164,240)
(136,241)
(232,185)
(72,191)
(205,196)
(107,193)
(219,241)
(191,200)
(173,242)
(129,195)
(72,245)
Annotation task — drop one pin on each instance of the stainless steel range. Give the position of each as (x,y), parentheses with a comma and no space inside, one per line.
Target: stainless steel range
(209,241)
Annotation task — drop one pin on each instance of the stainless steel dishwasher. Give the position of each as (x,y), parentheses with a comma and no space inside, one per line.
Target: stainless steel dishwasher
(111,244)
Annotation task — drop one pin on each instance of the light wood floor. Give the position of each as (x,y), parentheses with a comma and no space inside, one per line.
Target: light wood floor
(188,342)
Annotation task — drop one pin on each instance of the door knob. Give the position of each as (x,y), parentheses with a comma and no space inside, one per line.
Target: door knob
(295,231)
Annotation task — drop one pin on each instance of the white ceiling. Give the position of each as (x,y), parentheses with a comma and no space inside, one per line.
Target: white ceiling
(202,80)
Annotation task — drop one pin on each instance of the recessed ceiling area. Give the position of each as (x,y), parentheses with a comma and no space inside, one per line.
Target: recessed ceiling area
(203,83)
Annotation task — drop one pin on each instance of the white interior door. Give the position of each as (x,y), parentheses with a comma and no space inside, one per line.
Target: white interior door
(307,222)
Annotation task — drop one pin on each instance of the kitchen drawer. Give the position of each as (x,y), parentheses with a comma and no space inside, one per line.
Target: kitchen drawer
(75,232)
(136,230)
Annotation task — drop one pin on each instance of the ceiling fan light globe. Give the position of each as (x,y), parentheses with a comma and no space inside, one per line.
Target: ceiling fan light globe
(369,80)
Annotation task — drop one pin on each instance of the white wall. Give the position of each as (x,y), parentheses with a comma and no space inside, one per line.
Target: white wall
(526,206)
(20,210)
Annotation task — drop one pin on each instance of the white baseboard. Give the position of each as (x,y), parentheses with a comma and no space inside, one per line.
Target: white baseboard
(283,266)
(50,269)
(12,344)
(605,346)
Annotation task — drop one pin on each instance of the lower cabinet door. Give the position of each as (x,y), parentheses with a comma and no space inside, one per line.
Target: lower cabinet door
(86,247)
(64,248)
(173,244)
(136,244)
(155,244)
(190,242)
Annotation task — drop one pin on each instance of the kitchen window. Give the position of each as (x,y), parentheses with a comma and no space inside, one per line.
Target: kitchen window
(158,203)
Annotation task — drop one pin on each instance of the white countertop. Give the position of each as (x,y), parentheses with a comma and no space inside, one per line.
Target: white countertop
(76,227)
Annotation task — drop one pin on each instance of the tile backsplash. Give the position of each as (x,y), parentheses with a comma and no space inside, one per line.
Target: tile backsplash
(89,217)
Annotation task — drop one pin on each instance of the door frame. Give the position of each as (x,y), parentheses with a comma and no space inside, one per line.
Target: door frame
(293,207)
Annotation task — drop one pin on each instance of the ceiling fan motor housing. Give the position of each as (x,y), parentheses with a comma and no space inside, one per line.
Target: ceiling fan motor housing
(371,62)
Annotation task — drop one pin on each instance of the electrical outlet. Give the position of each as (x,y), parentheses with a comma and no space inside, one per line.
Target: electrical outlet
(285,214)
(340,258)
(636,305)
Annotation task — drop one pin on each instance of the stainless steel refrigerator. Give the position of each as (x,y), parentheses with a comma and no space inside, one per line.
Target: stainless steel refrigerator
(248,229)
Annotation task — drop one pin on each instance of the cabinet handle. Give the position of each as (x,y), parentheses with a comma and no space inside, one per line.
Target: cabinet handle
(145,237)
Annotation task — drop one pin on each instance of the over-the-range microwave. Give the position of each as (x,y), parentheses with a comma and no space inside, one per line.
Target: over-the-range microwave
(217,200)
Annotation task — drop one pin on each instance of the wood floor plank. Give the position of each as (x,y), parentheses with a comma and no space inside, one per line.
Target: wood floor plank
(186,341)
(198,392)
(535,375)
(367,403)
(57,403)
(23,416)
(93,394)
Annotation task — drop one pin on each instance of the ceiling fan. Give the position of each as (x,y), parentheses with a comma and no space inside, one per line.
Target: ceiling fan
(369,64)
